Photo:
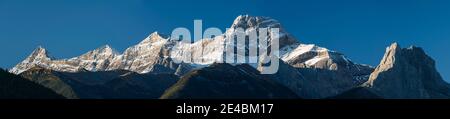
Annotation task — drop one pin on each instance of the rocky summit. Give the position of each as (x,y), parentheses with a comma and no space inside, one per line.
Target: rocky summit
(407,73)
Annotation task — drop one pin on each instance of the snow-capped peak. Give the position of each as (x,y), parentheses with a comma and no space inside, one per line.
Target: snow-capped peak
(153,37)
(156,34)
(103,52)
(246,21)
(94,60)
(39,48)
(39,53)
(107,49)
(312,56)
(254,23)
(38,56)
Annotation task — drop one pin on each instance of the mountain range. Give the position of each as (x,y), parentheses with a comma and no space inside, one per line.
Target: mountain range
(148,70)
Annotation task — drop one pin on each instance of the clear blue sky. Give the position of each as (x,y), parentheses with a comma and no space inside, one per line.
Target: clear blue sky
(361,29)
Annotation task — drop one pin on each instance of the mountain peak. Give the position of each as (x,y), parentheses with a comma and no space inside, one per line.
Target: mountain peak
(416,49)
(247,21)
(407,73)
(39,49)
(104,52)
(154,33)
(153,37)
(106,48)
(394,46)
(390,55)
(39,53)
(38,56)
(394,52)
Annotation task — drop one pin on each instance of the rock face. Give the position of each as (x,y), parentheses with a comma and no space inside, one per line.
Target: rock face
(97,59)
(251,23)
(146,55)
(224,81)
(407,73)
(312,83)
(315,57)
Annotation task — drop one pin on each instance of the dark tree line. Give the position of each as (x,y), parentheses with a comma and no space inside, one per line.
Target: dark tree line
(15,87)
